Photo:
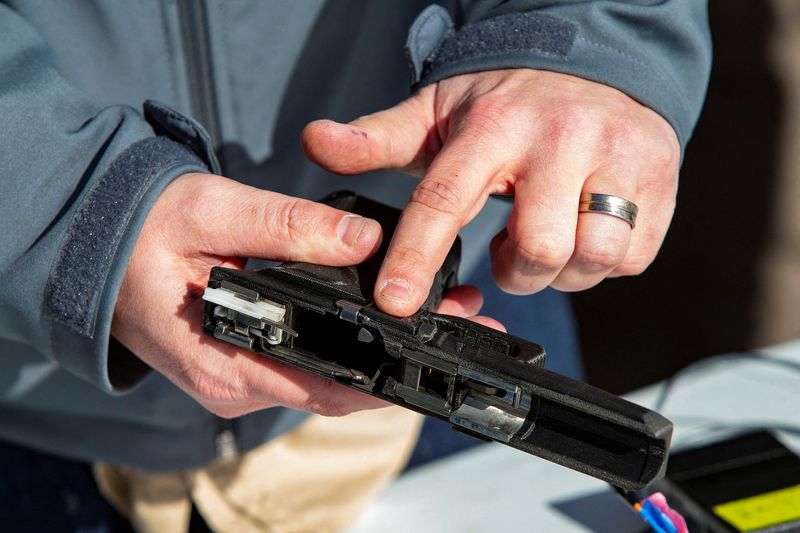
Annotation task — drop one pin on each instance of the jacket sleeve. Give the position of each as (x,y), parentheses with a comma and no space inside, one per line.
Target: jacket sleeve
(77,184)
(657,52)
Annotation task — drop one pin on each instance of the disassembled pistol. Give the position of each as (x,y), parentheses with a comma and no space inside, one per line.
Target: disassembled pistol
(484,382)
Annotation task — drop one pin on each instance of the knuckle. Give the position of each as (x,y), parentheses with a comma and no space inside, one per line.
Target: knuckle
(665,153)
(406,256)
(603,254)
(566,122)
(545,252)
(440,196)
(490,119)
(620,135)
(292,220)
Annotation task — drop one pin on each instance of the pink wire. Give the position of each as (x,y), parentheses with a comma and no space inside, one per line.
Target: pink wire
(660,502)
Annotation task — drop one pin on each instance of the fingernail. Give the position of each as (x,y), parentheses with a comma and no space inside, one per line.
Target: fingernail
(397,290)
(353,228)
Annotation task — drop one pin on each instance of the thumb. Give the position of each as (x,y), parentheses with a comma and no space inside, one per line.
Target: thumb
(402,137)
(219,216)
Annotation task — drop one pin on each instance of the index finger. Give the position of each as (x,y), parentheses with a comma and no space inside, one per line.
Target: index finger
(453,191)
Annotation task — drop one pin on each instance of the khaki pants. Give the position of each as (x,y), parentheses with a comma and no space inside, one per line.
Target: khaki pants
(315,478)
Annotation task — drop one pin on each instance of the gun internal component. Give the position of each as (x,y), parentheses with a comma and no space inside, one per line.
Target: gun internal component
(246,317)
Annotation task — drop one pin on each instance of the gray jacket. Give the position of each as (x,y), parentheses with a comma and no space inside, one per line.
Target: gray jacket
(82,159)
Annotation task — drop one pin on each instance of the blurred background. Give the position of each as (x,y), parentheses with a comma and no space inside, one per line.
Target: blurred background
(728,276)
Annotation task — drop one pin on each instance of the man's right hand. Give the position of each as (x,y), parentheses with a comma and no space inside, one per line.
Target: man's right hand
(201,221)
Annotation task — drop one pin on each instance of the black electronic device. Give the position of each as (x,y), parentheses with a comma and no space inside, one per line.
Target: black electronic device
(484,382)
(746,483)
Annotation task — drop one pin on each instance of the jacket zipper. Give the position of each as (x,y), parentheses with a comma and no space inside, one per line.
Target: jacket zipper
(194,28)
(195,34)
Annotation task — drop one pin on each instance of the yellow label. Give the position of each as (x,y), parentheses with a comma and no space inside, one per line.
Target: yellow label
(764,510)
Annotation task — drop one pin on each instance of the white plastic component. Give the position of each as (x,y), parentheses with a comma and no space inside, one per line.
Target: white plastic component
(262,309)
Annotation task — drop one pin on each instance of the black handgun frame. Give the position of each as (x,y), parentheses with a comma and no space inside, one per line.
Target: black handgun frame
(484,382)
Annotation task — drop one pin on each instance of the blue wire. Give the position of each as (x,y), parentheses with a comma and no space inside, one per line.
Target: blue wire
(660,522)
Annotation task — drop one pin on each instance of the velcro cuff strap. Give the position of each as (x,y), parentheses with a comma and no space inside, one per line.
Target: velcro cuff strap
(432,44)
(76,281)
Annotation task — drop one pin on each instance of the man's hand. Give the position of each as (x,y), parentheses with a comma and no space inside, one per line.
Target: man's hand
(543,136)
(201,221)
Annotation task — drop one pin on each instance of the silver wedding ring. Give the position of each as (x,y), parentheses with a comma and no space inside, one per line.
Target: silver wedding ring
(608,205)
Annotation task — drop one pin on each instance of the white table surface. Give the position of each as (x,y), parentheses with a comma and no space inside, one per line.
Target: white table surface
(496,488)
